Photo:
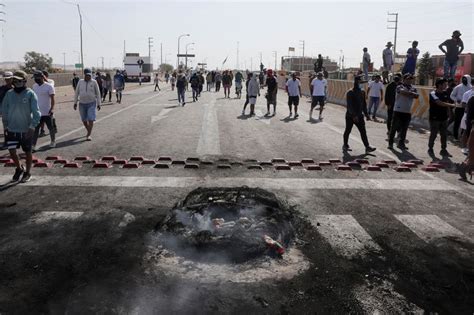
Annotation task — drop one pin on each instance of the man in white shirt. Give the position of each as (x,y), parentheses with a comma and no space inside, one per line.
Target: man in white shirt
(457,96)
(45,94)
(375,94)
(465,99)
(293,88)
(387,57)
(320,92)
(88,94)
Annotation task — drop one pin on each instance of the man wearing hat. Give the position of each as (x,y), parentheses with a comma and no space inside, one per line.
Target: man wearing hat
(8,78)
(387,56)
(45,94)
(89,97)
(20,117)
(454,48)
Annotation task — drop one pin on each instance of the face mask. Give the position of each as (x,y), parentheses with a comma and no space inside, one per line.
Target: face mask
(18,84)
(39,81)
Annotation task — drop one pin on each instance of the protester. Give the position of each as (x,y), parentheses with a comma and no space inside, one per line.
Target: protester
(319,94)
(201,83)
(218,78)
(375,94)
(387,56)
(98,79)
(465,134)
(74,81)
(20,116)
(366,63)
(356,109)
(173,82)
(181,84)
(293,88)
(156,81)
(272,91)
(390,94)
(194,80)
(406,93)
(107,87)
(261,79)
(457,96)
(439,117)
(167,77)
(454,48)
(45,96)
(50,82)
(247,101)
(412,56)
(8,77)
(208,81)
(238,83)
(253,91)
(468,165)
(119,85)
(227,83)
(318,65)
(88,95)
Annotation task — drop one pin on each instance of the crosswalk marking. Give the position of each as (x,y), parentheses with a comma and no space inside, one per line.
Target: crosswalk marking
(47,216)
(429,227)
(347,237)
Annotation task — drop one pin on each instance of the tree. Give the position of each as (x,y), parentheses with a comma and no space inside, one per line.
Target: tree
(426,69)
(37,61)
(164,67)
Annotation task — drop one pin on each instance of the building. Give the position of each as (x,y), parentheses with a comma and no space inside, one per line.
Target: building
(292,63)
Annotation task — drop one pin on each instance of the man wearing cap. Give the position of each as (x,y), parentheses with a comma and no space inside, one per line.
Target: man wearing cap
(406,93)
(319,94)
(45,94)
(454,48)
(88,94)
(387,57)
(8,77)
(20,117)
(272,91)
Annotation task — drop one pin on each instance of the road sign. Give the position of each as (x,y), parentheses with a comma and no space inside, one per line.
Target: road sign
(140,61)
(188,55)
(78,65)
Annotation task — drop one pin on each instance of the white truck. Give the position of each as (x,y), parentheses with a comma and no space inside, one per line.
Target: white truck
(136,66)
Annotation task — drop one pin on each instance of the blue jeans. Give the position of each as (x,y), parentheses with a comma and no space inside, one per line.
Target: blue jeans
(449,69)
(373,102)
(365,68)
(181,92)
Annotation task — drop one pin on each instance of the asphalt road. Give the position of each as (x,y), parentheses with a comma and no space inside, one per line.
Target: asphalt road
(83,240)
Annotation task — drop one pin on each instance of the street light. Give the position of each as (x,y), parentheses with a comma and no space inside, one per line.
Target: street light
(179,38)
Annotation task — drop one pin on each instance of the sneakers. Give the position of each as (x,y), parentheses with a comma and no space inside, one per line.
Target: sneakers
(369,149)
(320,117)
(402,147)
(296,115)
(445,153)
(52,144)
(267,114)
(18,173)
(243,113)
(291,114)
(390,147)
(42,133)
(33,148)
(88,138)
(346,148)
(26,177)
(465,151)
(430,151)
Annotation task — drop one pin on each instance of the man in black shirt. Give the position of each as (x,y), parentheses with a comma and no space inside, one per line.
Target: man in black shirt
(356,109)
(439,106)
(272,91)
(390,95)
(454,48)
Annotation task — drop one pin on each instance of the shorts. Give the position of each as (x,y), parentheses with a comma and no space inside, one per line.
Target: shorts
(17,139)
(226,86)
(293,100)
(252,100)
(87,111)
(271,98)
(317,100)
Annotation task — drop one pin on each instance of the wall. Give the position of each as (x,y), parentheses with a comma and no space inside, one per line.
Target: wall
(337,94)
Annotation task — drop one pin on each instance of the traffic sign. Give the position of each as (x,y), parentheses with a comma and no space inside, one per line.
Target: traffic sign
(78,65)
(188,55)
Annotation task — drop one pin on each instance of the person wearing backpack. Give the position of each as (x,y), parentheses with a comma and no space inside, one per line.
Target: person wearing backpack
(181,84)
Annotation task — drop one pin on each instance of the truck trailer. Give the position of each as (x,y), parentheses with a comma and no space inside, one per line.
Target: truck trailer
(136,66)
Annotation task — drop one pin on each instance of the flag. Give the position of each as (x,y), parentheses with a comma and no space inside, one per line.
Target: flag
(291,48)
(225,60)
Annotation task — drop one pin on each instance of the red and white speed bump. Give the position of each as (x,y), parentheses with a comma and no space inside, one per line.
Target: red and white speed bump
(373,168)
(313,167)
(191,165)
(108,158)
(101,165)
(42,164)
(343,167)
(131,165)
(430,169)
(402,169)
(161,165)
(72,165)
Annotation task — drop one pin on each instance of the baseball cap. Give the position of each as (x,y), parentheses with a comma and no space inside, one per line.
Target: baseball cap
(38,74)
(7,75)
(88,71)
(20,75)
(319,74)
(408,76)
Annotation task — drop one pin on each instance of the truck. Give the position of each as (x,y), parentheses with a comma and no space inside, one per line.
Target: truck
(135,65)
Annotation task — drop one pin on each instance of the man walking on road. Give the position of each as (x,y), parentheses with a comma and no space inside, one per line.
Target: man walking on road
(227,83)
(194,80)
(218,79)
(272,91)
(293,88)
(439,117)
(319,94)
(247,101)
(21,116)
(157,81)
(88,95)
(406,93)
(387,56)
(454,48)
(45,95)
(390,95)
(8,77)
(366,63)
(181,84)
(375,94)
(253,91)
(457,96)
(119,86)
(74,81)
(201,83)
(208,81)
(356,109)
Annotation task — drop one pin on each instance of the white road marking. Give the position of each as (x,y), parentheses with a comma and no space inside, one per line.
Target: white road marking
(47,216)
(266,183)
(97,121)
(346,236)
(161,115)
(209,142)
(429,227)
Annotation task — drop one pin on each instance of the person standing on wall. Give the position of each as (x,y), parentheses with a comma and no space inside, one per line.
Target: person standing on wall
(366,63)
(387,57)
(454,48)
(412,56)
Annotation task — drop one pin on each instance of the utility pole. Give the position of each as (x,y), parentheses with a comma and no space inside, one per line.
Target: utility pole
(124,54)
(237,59)
(275,53)
(161,54)
(80,28)
(102,63)
(4,21)
(150,44)
(394,28)
(302,43)
(64,59)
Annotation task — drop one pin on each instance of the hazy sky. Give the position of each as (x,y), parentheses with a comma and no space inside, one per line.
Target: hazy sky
(216,26)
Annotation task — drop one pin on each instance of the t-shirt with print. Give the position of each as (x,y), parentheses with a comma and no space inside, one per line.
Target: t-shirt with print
(376,89)
(44,92)
(452,49)
(293,87)
(438,113)
(403,103)
(319,87)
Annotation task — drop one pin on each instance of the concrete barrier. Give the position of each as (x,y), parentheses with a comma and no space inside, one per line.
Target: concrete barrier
(337,94)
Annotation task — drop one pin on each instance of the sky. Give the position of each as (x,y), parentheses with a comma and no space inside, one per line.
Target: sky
(330,28)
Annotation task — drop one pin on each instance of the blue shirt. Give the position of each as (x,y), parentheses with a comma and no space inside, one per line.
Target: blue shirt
(20,111)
